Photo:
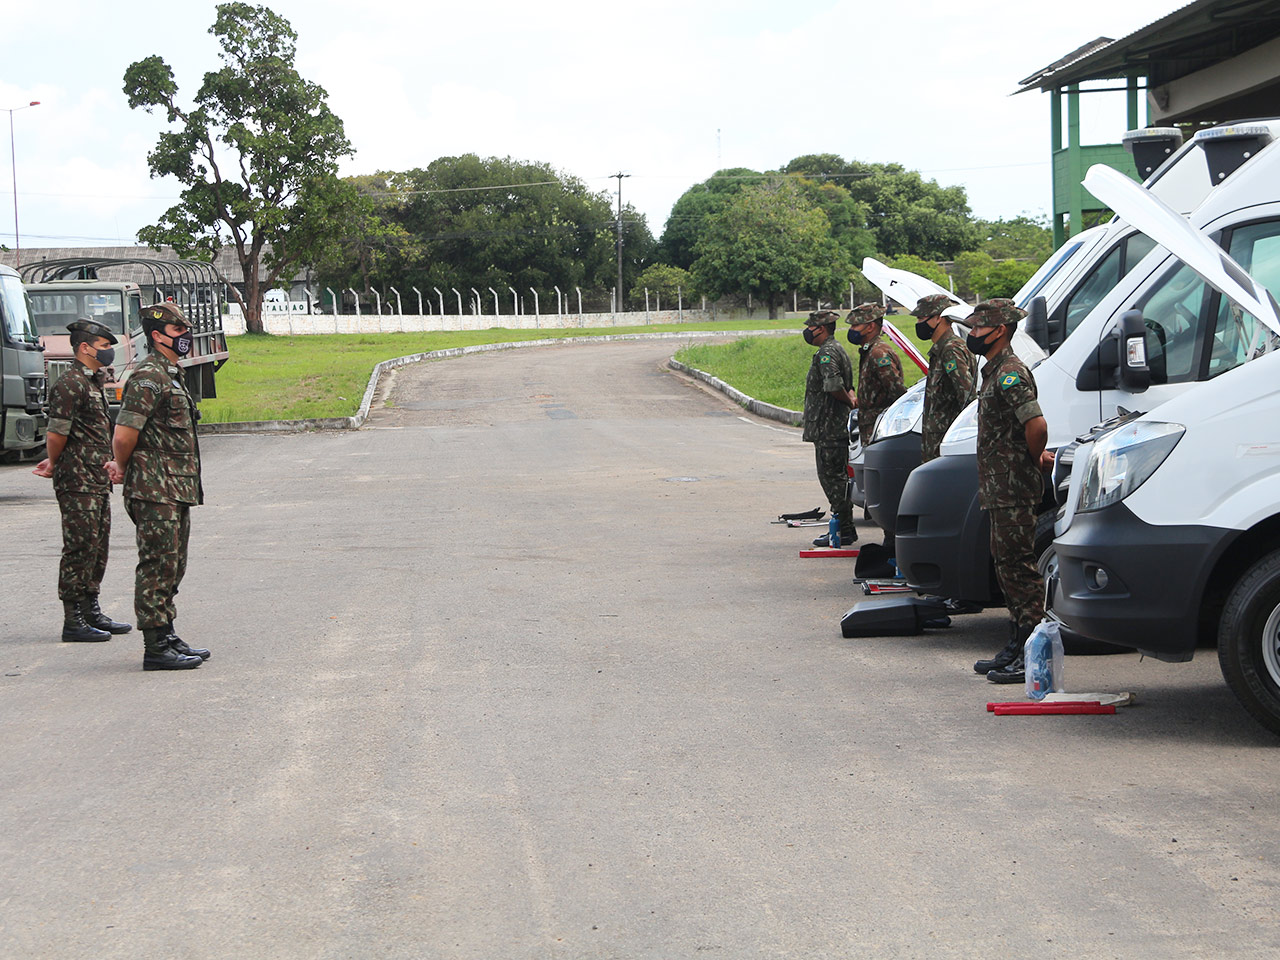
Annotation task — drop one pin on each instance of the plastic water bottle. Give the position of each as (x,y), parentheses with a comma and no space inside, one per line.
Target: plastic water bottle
(833,532)
(1043,656)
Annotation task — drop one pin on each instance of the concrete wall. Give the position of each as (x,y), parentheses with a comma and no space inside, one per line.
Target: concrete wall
(289,323)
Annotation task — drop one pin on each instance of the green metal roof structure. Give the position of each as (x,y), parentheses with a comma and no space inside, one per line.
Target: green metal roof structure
(1210,61)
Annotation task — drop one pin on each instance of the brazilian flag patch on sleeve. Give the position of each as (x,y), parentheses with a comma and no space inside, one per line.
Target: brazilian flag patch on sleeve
(824,359)
(1009,380)
(950,366)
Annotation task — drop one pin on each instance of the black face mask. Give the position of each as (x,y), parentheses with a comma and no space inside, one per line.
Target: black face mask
(105,356)
(924,330)
(807,333)
(855,336)
(979,346)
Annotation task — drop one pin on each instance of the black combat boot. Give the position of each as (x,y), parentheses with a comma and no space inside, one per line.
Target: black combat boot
(94,617)
(177,643)
(1014,672)
(158,655)
(1012,651)
(75,630)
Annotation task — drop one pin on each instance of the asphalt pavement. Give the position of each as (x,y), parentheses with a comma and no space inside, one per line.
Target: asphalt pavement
(522,670)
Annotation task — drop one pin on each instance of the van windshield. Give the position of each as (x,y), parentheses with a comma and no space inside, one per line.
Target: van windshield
(53,311)
(13,309)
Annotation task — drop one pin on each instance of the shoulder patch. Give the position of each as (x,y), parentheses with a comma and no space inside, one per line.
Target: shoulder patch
(146,384)
(824,359)
(883,361)
(1009,380)
(950,366)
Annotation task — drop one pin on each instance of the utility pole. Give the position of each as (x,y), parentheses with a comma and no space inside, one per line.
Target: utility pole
(619,175)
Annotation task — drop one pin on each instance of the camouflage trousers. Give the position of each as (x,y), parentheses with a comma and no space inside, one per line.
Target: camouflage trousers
(833,474)
(1013,537)
(163,531)
(86,530)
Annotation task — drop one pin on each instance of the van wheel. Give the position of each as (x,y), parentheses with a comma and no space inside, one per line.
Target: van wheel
(1072,643)
(1249,641)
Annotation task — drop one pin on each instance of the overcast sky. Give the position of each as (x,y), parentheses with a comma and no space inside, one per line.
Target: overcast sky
(667,91)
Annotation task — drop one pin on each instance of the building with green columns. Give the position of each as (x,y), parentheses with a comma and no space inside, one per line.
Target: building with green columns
(1211,61)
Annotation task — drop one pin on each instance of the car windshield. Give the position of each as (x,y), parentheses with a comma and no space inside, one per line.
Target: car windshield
(53,311)
(13,307)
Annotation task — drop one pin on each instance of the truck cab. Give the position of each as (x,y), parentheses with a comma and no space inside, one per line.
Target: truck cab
(116,305)
(24,395)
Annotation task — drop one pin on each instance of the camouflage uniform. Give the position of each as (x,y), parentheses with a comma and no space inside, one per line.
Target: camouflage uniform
(879,383)
(161,483)
(1010,482)
(826,426)
(950,388)
(78,411)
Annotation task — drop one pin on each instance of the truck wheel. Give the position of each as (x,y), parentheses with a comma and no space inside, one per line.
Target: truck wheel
(1072,643)
(1249,641)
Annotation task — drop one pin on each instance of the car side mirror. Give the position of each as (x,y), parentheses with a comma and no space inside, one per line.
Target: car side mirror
(1038,322)
(1135,374)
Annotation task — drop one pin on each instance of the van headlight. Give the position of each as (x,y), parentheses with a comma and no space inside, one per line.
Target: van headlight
(964,427)
(1121,461)
(901,416)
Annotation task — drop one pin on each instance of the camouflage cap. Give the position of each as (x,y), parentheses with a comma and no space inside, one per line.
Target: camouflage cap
(994,313)
(866,313)
(93,328)
(158,314)
(822,318)
(931,306)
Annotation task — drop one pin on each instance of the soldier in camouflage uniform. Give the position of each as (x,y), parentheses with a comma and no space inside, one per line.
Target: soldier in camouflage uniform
(157,457)
(827,402)
(79,443)
(1011,463)
(950,386)
(879,369)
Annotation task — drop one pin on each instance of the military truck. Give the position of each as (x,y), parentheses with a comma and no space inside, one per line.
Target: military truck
(113,292)
(24,390)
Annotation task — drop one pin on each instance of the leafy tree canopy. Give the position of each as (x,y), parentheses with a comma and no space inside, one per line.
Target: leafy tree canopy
(769,241)
(256,154)
(689,215)
(1022,237)
(665,282)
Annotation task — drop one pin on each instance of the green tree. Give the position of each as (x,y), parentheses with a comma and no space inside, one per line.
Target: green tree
(367,247)
(1022,237)
(903,211)
(688,218)
(1008,276)
(972,272)
(256,154)
(924,268)
(769,241)
(668,283)
(500,222)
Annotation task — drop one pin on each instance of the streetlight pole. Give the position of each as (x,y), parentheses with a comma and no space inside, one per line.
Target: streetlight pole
(13,163)
(620,175)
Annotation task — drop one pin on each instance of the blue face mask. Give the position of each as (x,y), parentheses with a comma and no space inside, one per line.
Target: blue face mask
(855,336)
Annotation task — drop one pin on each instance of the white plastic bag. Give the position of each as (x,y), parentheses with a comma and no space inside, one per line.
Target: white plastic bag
(1042,655)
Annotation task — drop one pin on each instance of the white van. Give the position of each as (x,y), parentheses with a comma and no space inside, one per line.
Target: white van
(1170,534)
(942,541)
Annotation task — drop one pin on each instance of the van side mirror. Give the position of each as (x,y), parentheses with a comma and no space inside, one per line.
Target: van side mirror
(1135,374)
(1038,322)
(1120,359)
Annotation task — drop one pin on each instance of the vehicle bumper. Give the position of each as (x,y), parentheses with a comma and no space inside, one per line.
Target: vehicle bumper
(886,465)
(23,431)
(943,539)
(1155,579)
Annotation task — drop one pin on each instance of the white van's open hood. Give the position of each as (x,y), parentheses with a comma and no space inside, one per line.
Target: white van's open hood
(903,286)
(1158,221)
(909,288)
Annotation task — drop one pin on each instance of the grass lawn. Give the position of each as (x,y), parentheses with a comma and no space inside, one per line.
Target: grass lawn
(324,375)
(773,369)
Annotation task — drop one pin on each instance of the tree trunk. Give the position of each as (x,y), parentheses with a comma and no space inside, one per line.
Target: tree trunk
(773,299)
(252,292)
